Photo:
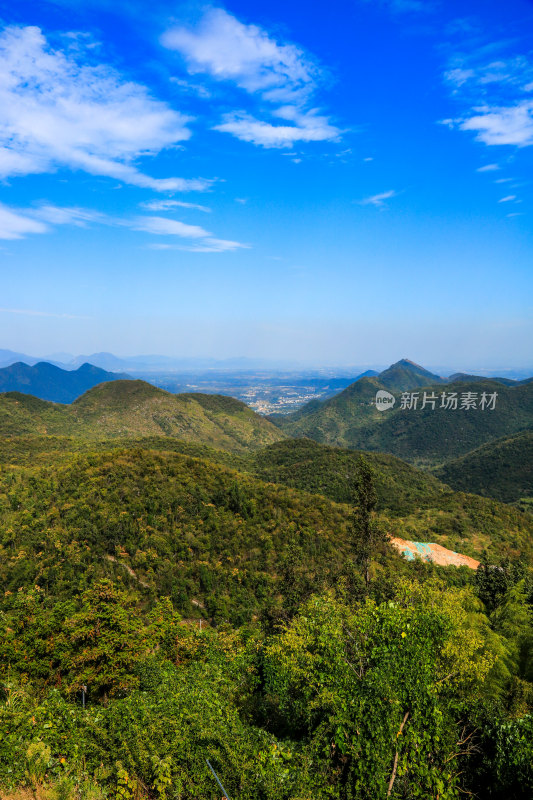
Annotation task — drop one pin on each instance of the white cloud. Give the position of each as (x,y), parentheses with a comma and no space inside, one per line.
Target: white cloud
(67,216)
(488,168)
(310,128)
(208,245)
(502,125)
(15,225)
(246,55)
(60,112)
(211,245)
(32,313)
(203,241)
(490,83)
(406,6)
(169,227)
(507,199)
(166,205)
(459,76)
(191,88)
(378,200)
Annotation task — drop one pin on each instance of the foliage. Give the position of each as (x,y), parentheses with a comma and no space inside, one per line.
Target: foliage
(502,469)
(365,532)
(378,692)
(214,615)
(133,409)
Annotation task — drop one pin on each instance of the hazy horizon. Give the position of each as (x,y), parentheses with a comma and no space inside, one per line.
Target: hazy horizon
(206,362)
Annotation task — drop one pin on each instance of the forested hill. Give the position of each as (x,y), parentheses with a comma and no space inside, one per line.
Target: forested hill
(502,469)
(420,435)
(214,606)
(49,382)
(191,528)
(133,409)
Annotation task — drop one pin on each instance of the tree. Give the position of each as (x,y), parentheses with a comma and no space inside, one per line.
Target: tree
(365,531)
(102,643)
(378,695)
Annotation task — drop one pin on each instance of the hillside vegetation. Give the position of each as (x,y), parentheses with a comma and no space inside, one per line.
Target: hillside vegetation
(300,677)
(163,512)
(502,469)
(133,409)
(422,436)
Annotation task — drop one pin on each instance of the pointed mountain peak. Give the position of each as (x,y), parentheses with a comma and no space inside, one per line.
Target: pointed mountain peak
(406,374)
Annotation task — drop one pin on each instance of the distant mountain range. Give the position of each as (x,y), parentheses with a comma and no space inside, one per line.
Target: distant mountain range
(49,382)
(148,363)
(160,364)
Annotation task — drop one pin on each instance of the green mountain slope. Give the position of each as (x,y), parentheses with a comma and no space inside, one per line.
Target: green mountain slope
(135,409)
(169,524)
(406,375)
(458,377)
(424,436)
(502,469)
(49,382)
(304,464)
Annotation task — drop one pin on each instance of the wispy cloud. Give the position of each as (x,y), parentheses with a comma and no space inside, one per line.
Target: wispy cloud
(167,205)
(278,73)
(203,241)
(225,48)
(507,199)
(32,313)
(493,92)
(57,215)
(19,223)
(16,225)
(488,168)
(310,128)
(169,227)
(378,200)
(502,125)
(58,110)
(191,88)
(407,6)
(208,245)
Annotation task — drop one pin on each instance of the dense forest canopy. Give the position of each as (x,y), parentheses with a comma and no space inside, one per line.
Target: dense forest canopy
(165,603)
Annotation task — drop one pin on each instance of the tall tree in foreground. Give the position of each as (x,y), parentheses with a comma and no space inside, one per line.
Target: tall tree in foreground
(365,531)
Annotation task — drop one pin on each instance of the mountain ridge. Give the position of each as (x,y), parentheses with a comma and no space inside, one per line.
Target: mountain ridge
(50,382)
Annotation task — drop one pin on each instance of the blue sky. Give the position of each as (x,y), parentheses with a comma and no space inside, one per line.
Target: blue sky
(338,183)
